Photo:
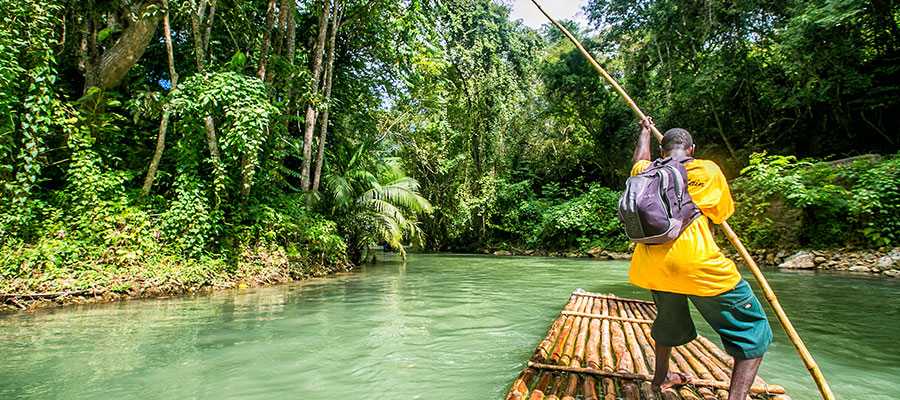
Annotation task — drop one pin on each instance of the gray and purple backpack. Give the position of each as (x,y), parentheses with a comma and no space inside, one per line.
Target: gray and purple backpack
(656,206)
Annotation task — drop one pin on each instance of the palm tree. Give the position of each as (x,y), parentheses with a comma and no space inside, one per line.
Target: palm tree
(372,200)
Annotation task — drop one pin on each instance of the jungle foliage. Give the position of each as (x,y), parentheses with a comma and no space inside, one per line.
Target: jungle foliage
(138,133)
(789,202)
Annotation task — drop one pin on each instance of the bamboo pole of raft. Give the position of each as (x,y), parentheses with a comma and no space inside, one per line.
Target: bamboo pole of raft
(541,387)
(770,389)
(635,348)
(557,387)
(609,387)
(807,358)
(700,370)
(520,386)
(649,351)
(611,297)
(592,356)
(715,371)
(575,360)
(624,360)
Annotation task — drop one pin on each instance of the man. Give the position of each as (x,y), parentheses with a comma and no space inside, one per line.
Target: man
(693,268)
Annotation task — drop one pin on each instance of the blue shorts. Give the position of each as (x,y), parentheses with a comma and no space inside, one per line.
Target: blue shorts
(735,315)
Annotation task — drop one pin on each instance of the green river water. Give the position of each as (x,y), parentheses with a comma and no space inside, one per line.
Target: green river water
(440,326)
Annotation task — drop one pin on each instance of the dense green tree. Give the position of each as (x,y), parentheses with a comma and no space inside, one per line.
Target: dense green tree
(809,77)
(372,200)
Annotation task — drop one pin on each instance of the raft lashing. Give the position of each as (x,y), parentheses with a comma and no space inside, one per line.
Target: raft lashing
(600,348)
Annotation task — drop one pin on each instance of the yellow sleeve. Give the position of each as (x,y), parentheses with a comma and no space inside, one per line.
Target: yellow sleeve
(709,191)
(639,167)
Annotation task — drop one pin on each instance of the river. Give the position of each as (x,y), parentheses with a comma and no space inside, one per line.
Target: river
(439,326)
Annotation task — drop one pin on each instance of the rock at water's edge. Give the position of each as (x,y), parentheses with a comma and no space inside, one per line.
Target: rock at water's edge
(596,252)
(801,260)
(895,254)
(885,262)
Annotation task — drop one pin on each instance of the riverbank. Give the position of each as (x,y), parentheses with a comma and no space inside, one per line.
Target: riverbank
(126,278)
(270,265)
(883,261)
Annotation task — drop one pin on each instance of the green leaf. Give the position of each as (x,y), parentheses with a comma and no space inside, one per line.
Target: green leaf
(103,34)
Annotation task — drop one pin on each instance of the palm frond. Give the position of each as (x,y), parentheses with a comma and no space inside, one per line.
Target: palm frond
(402,192)
(341,191)
(384,208)
(390,231)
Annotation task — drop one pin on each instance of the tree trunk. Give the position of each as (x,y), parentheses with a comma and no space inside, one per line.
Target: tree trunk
(90,47)
(329,70)
(310,109)
(291,50)
(290,103)
(721,129)
(209,23)
(284,12)
(163,125)
(248,169)
(201,29)
(266,42)
(197,13)
(128,49)
(218,169)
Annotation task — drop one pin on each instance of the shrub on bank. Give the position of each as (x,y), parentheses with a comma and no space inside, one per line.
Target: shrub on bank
(783,201)
(554,222)
(584,222)
(127,250)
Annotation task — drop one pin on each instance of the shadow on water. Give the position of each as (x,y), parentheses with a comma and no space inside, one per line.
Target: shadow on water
(440,326)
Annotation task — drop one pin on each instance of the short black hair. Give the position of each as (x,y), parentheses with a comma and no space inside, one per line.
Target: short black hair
(677,138)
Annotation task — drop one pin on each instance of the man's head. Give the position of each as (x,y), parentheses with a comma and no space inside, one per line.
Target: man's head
(677,141)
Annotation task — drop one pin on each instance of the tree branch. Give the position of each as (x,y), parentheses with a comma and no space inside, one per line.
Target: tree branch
(356,14)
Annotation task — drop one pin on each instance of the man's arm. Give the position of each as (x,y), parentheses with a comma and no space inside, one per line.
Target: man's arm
(642,151)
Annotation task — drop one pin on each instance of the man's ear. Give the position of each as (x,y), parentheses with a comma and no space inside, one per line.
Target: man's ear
(691,152)
(662,153)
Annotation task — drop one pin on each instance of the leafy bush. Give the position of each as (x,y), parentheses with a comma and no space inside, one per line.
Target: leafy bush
(518,212)
(586,221)
(855,204)
(308,238)
(126,247)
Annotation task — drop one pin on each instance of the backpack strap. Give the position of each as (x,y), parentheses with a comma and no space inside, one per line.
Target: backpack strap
(683,160)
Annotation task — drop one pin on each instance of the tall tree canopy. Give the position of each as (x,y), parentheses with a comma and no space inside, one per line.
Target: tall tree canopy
(434,119)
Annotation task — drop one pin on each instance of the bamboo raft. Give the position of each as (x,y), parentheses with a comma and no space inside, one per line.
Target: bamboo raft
(600,348)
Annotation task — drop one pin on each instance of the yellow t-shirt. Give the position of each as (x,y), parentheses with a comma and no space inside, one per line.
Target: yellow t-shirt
(692,263)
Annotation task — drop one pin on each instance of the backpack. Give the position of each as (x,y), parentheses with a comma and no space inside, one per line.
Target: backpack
(656,207)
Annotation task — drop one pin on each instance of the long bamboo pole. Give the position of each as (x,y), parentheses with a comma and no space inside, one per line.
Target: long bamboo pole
(810,363)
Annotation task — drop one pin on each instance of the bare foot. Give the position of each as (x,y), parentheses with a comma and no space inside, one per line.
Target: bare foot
(672,379)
